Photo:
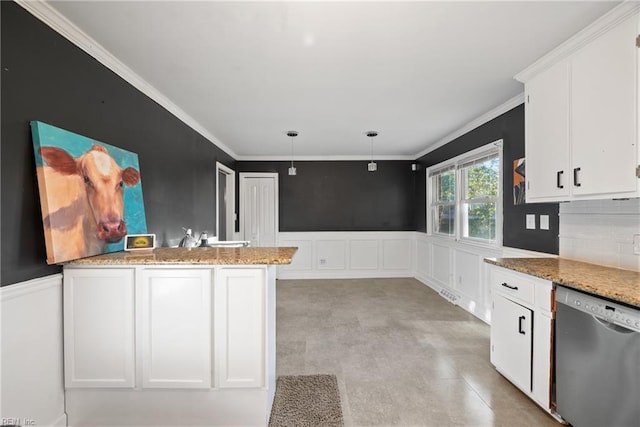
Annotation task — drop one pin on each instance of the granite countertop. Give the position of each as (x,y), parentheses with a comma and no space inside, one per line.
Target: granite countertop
(185,256)
(613,283)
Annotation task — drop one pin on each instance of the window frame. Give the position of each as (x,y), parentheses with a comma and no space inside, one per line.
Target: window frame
(458,164)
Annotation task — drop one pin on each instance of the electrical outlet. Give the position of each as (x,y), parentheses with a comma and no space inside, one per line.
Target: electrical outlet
(636,244)
(323,261)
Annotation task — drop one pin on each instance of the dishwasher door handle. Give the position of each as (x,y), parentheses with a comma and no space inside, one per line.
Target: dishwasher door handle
(520,319)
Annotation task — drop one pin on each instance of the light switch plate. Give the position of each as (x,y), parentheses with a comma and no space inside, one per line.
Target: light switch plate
(531,221)
(544,222)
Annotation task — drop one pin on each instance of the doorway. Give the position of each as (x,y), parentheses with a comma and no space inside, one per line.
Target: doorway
(225,202)
(259,208)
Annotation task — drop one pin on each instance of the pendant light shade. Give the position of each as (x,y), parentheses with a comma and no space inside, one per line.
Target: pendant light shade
(292,134)
(372,166)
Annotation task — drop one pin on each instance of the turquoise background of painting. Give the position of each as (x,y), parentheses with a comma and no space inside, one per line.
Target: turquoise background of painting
(45,135)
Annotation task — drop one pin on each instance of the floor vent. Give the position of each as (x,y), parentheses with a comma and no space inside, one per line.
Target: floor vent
(449,296)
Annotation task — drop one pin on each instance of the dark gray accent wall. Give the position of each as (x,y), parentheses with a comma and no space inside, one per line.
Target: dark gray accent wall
(44,77)
(510,128)
(342,195)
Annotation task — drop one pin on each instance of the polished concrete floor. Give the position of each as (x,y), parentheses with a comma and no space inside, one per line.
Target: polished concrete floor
(403,355)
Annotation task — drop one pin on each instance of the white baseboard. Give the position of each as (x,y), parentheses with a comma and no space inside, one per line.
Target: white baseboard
(32,382)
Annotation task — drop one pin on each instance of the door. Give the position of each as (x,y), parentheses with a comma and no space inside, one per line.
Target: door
(547,166)
(259,208)
(604,113)
(98,328)
(175,324)
(225,202)
(241,325)
(511,340)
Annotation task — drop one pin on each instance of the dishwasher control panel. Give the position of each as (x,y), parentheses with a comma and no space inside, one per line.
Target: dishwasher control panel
(615,313)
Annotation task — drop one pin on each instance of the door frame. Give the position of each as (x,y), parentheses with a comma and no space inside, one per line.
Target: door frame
(276,192)
(231,200)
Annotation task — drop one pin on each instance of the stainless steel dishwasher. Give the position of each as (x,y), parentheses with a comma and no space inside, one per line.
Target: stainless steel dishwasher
(597,353)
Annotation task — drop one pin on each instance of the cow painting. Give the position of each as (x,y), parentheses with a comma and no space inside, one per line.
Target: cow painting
(83,195)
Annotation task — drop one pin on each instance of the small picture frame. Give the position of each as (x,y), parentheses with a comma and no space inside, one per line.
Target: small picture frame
(139,242)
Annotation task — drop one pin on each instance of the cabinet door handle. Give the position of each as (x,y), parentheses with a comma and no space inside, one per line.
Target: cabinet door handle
(575,177)
(520,319)
(558,175)
(506,285)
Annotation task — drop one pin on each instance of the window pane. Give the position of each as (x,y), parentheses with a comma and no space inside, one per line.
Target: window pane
(481,180)
(481,220)
(445,187)
(444,219)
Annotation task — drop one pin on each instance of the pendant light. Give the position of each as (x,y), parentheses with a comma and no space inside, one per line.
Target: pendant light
(372,166)
(292,169)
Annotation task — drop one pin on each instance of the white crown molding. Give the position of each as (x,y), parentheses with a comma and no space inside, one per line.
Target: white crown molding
(486,117)
(59,23)
(362,157)
(607,21)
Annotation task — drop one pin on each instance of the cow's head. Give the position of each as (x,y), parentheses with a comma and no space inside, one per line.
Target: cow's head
(104,181)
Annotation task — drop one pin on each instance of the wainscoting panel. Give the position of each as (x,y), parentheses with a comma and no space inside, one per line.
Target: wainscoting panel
(396,254)
(467,272)
(363,254)
(357,254)
(331,254)
(32,379)
(441,264)
(423,258)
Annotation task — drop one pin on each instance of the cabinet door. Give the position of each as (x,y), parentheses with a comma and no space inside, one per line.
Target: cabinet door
(547,166)
(98,328)
(175,325)
(240,307)
(511,341)
(604,113)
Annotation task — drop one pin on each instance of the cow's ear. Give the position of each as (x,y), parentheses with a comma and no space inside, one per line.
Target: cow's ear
(97,147)
(59,160)
(130,176)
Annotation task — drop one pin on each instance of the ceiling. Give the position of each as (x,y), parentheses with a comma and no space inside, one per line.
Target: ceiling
(247,72)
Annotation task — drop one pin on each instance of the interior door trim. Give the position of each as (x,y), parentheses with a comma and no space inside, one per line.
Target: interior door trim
(243,189)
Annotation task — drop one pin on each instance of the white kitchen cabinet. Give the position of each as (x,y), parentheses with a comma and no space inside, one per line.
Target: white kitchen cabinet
(99,328)
(522,332)
(174,339)
(175,328)
(582,119)
(604,113)
(547,135)
(241,312)
(511,340)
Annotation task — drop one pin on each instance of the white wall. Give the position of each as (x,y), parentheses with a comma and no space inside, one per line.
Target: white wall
(32,390)
(600,232)
(356,254)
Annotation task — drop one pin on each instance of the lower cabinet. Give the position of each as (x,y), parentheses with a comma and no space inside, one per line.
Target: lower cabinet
(511,340)
(175,328)
(522,332)
(145,345)
(241,318)
(99,325)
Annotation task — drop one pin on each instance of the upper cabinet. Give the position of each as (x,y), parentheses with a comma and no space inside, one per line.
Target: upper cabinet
(582,115)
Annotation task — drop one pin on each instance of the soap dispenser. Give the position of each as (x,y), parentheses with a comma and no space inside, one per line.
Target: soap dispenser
(188,240)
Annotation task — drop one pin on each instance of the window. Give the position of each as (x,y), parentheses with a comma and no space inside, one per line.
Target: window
(464,200)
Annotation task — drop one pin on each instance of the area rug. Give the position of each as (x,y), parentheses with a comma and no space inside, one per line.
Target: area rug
(306,400)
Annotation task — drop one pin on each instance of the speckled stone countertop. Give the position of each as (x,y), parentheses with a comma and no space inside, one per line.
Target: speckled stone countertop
(184,256)
(613,283)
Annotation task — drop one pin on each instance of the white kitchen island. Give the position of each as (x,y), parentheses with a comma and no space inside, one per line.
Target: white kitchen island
(176,337)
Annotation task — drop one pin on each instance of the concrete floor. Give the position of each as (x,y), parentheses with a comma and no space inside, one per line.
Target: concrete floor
(403,355)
